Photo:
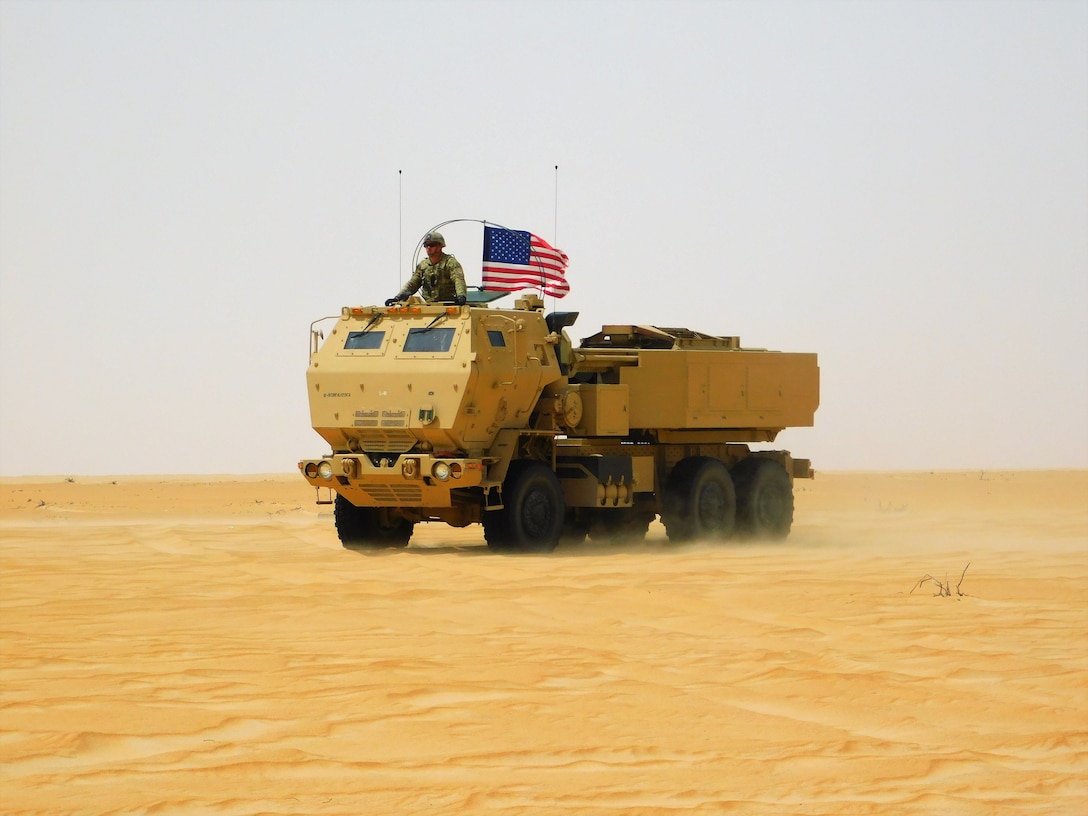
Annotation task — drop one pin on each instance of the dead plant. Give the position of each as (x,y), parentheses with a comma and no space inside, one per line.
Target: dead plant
(944,588)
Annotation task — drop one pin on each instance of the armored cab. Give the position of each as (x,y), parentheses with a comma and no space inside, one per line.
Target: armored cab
(466,414)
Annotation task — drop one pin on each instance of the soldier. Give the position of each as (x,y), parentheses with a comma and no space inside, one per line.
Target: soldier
(439,274)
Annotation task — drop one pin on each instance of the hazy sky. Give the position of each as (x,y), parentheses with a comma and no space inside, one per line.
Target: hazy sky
(901,187)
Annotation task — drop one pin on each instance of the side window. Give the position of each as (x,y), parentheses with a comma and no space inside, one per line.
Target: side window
(496,338)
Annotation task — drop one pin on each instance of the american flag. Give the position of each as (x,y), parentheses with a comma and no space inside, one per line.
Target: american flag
(514,259)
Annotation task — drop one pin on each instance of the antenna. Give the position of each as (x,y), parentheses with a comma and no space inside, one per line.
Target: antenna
(555,214)
(400,228)
(555,217)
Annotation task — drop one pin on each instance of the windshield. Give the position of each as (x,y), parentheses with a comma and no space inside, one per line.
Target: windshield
(429,340)
(360,340)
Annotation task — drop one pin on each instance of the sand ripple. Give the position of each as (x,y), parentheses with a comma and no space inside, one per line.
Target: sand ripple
(227,657)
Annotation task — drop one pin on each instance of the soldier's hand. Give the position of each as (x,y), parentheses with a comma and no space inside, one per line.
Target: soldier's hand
(460,300)
(390,301)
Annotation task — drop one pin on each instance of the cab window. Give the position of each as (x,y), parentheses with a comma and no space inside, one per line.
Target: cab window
(364,341)
(433,340)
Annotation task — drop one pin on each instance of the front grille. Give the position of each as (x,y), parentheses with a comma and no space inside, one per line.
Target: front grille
(384,441)
(392,494)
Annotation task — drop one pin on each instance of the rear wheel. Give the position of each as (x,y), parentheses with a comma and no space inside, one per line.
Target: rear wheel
(369,527)
(764,498)
(700,501)
(533,511)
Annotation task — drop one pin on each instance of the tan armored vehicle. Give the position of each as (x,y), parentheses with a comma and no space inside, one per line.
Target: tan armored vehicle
(466,414)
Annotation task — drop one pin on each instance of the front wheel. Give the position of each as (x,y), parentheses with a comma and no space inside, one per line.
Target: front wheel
(533,511)
(369,527)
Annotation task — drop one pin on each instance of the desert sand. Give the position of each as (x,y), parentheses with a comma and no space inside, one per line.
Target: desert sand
(204,645)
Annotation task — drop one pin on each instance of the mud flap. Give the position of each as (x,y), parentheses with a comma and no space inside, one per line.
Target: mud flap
(493,498)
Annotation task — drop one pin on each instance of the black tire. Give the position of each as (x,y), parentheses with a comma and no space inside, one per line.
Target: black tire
(764,498)
(533,511)
(369,527)
(619,525)
(700,501)
(494,522)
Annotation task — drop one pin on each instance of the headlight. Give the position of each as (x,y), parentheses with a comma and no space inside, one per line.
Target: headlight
(441,471)
(324,470)
(310,470)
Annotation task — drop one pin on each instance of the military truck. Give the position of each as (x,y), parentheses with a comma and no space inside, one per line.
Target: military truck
(465,414)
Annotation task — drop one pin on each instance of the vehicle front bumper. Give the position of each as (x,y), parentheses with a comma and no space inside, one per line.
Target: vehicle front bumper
(408,480)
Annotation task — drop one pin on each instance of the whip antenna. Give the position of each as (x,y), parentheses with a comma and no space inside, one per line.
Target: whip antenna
(555,217)
(400,226)
(555,213)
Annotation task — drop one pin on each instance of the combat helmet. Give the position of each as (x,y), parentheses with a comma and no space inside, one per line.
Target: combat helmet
(435,237)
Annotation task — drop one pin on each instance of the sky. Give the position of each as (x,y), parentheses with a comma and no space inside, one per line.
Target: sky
(900,187)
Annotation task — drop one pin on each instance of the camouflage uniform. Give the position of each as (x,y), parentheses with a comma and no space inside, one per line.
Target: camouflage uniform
(441,281)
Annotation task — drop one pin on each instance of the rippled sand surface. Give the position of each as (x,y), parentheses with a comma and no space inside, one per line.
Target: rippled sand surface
(172,645)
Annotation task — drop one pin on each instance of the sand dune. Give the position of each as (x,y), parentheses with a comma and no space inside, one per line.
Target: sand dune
(205,645)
